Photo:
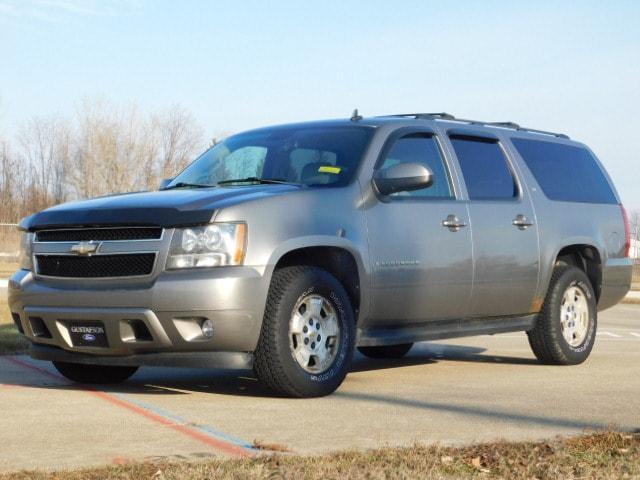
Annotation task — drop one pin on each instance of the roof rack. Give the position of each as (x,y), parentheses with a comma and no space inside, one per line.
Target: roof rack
(449,117)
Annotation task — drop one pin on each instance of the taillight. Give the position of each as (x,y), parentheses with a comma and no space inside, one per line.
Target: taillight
(627,232)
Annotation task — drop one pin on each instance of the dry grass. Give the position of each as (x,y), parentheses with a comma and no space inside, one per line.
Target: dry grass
(11,342)
(608,455)
(7,267)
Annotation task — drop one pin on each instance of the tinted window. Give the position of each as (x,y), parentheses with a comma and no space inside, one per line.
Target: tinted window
(565,172)
(324,156)
(421,148)
(484,168)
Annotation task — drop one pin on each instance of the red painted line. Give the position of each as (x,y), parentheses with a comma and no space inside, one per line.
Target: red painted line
(9,386)
(33,367)
(188,431)
(228,448)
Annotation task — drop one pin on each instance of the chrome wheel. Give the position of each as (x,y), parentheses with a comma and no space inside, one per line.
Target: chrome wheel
(574,316)
(314,333)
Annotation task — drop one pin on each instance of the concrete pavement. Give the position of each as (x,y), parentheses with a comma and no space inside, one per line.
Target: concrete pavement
(456,391)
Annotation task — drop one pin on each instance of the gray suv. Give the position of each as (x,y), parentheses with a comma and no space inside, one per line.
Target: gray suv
(283,249)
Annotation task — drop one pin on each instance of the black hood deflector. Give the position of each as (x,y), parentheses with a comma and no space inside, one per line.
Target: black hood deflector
(168,208)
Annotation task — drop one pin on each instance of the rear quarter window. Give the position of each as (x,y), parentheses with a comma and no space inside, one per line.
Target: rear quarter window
(565,173)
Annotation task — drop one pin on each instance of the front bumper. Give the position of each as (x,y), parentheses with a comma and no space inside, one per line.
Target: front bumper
(218,360)
(162,317)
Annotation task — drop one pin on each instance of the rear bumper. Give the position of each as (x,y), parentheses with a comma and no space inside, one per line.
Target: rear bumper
(616,281)
(164,317)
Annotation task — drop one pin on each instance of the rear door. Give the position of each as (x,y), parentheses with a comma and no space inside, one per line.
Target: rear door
(505,234)
(422,270)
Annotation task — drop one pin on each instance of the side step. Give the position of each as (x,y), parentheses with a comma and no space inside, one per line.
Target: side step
(441,329)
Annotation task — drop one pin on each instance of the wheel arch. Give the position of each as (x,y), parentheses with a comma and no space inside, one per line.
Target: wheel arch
(338,256)
(586,257)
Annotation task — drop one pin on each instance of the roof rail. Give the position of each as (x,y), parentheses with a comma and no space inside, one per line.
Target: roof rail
(449,117)
(425,116)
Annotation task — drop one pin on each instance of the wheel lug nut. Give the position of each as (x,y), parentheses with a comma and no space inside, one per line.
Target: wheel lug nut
(311,322)
(313,345)
(305,329)
(319,337)
(306,341)
(318,326)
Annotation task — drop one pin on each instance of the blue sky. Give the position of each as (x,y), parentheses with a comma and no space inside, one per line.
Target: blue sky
(567,66)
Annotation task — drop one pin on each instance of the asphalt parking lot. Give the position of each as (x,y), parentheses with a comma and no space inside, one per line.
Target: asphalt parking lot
(457,391)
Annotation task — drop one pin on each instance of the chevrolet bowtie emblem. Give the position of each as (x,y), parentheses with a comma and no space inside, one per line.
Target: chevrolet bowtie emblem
(85,248)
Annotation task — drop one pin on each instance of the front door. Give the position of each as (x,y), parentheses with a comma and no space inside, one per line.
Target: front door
(420,241)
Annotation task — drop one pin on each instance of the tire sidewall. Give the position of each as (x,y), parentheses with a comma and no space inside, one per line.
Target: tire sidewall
(575,278)
(321,283)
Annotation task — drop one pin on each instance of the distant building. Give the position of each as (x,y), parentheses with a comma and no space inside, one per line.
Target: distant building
(635,248)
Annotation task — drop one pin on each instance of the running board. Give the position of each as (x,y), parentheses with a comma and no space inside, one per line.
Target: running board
(441,329)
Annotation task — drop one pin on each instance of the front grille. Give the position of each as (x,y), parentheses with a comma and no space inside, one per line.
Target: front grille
(97,266)
(99,234)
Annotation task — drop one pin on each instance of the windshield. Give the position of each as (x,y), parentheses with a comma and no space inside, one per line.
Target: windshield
(322,156)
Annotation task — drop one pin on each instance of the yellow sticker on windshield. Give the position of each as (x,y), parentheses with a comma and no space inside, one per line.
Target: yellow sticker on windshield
(329,169)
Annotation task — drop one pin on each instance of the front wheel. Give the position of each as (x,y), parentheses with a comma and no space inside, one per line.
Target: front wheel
(565,330)
(308,333)
(98,374)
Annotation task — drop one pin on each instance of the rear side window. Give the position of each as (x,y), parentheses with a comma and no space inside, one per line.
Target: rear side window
(565,172)
(421,148)
(484,168)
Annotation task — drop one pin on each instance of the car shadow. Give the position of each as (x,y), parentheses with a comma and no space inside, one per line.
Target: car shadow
(180,381)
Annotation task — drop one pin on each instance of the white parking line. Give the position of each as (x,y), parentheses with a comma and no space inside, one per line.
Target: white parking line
(634,334)
(609,334)
(4,283)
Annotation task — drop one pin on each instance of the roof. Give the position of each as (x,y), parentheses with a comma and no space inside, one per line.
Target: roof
(357,120)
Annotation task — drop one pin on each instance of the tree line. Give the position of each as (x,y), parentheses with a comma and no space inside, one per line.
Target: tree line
(102,149)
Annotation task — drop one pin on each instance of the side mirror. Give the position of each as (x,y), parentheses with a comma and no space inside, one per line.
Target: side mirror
(164,183)
(403,177)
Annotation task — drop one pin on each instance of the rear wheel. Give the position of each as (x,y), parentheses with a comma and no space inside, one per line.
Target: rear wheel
(98,374)
(386,351)
(308,333)
(565,330)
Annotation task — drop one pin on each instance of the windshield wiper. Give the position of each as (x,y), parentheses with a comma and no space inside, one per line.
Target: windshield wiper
(188,185)
(257,180)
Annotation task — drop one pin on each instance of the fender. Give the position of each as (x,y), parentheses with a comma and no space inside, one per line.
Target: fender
(327,241)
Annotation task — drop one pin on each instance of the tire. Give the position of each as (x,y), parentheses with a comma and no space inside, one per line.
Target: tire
(386,351)
(298,294)
(95,374)
(548,339)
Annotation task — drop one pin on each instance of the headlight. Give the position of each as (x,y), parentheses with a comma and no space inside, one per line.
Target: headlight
(26,251)
(215,245)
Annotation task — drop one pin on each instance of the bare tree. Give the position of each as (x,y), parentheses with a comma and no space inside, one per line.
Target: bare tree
(102,149)
(122,149)
(180,138)
(45,148)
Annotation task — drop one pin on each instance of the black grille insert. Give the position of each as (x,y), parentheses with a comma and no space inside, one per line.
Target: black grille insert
(97,266)
(99,234)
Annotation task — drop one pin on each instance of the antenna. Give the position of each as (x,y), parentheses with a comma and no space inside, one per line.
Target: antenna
(355,117)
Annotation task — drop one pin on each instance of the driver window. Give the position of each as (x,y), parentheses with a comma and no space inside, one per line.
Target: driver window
(421,148)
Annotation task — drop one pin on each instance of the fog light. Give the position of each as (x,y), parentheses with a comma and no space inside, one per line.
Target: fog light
(207,328)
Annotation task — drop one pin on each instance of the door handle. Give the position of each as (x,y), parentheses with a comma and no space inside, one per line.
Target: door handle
(453,223)
(522,222)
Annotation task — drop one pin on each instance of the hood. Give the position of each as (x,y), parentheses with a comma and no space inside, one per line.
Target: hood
(167,208)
